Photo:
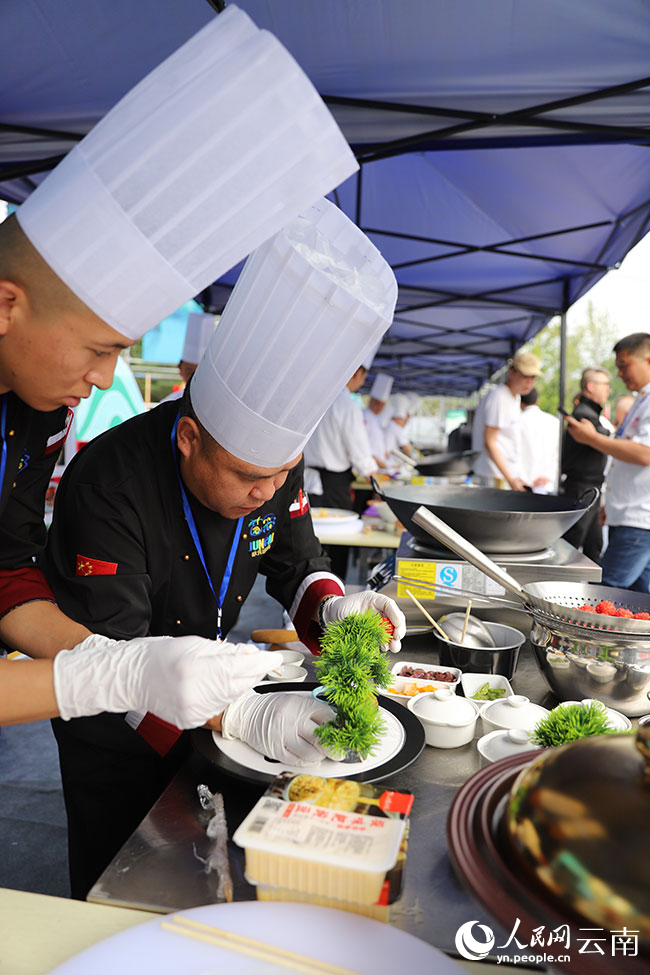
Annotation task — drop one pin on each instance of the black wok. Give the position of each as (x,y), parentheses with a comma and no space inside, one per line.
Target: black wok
(454,463)
(499,522)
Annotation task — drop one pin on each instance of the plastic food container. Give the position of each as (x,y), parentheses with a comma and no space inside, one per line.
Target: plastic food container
(333,838)
(502,744)
(511,712)
(471,683)
(449,721)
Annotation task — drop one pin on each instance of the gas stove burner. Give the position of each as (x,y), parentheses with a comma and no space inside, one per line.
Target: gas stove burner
(434,551)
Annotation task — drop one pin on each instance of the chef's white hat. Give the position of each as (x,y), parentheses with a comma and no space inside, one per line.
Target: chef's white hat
(367,362)
(399,405)
(381,387)
(413,402)
(314,298)
(207,157)
(197,337)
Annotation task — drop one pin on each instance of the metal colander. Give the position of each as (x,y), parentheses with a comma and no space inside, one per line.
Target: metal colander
(552,604)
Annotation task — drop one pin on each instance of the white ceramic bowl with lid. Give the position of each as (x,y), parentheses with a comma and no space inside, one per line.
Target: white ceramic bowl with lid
(502,744)
(448,720)
(516,711)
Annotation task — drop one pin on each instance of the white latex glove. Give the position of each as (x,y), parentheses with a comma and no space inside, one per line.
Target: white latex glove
(280,726)
(339,607)
(184,680)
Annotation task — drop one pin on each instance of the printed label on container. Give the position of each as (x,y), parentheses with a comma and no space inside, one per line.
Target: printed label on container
(297,829)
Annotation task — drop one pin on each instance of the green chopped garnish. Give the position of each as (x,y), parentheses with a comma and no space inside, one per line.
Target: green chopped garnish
(487,693)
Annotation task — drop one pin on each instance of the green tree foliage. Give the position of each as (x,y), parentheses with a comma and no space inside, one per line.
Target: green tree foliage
(589,343)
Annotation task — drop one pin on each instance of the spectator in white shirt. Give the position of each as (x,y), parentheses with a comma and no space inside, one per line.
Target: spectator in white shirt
(495,432)
(539,445)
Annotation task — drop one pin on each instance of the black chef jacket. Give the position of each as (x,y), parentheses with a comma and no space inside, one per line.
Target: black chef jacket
(33,441)
(581,463)
(121,560)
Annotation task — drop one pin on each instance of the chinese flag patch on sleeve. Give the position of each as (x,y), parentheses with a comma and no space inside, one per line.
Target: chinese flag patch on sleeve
(300,506)
(94,567)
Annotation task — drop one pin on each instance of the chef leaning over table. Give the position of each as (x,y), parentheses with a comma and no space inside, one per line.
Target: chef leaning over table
(147,210)
(162,524)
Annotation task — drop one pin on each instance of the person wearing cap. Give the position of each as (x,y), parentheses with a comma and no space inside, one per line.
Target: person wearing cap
(379,393)
(496,427)
(163,523)
(394,435)
(197,336)
(98,254)
(338,447)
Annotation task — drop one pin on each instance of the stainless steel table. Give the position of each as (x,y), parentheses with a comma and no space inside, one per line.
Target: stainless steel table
(160,867)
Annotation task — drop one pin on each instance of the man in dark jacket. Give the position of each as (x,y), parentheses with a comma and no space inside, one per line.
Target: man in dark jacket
(582,466)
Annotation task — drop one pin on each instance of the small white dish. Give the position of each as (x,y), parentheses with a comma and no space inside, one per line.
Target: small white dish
(291,656)
(288,672)
(428,668)
(471,683)
(615,720)
(449,721)
(515,711)
(502,744)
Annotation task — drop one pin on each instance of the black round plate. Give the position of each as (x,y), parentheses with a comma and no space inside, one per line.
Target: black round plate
(413,743)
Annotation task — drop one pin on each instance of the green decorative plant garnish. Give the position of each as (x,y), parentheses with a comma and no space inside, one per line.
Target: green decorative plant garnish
(571,722)
(352,664)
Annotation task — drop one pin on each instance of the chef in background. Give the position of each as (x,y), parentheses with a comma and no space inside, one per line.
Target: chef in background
(395,437)
(337,449)
(162,525)
(372,415)
(197,336)
(99,254)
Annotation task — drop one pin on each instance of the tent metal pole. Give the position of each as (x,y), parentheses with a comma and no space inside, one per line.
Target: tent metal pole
(562,375)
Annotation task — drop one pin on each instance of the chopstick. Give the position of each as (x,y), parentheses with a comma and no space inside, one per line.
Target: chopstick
(469,606)
(417,602)
(221,938)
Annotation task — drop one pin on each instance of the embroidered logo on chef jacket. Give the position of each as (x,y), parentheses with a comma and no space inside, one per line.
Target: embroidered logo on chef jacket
(56,441)
(300,506)
(23,463)
(262,534)
(94,567)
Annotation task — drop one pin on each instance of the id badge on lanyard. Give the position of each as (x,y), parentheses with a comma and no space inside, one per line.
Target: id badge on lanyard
(191,524)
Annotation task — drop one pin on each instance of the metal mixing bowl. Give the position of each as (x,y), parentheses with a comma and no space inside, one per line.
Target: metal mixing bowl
(476,635)
(578,662)
(502,658)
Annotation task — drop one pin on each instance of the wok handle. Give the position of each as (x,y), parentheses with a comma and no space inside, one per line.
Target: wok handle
(443,533)
(584,495)
(375,487)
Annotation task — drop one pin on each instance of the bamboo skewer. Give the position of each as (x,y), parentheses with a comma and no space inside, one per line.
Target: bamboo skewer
(272,954)
(469,606)
(419,605)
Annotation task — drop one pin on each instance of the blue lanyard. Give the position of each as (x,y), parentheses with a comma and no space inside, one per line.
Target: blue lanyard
(191,524)
(3,429)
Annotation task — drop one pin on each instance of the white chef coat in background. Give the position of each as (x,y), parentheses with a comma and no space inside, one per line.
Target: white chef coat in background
(339,442)
(375,434)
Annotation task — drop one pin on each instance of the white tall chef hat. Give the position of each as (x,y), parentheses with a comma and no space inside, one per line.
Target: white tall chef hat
(413,402)
(314,298)
(206,158)
(197,337)
(381,387)
(399,405)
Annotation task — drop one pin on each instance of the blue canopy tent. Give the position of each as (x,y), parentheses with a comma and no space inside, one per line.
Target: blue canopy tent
(503,146)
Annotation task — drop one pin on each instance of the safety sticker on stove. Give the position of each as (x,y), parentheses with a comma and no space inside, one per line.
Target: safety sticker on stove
(467,577)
